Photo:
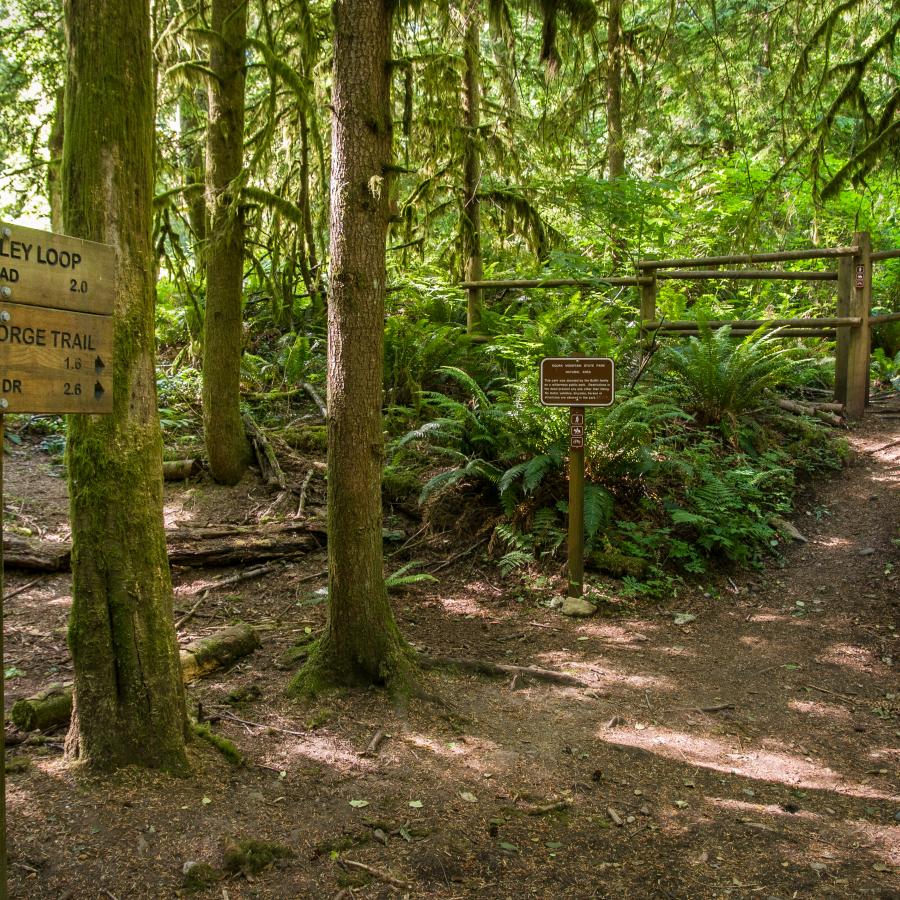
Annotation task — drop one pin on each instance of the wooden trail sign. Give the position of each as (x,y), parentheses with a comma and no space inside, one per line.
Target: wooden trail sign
(56,328)
(57,295)
(577,382)
(57,271)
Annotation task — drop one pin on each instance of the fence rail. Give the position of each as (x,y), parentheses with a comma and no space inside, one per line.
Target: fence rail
(851,328)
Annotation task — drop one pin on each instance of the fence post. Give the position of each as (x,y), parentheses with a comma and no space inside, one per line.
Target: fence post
(842,350)
(860,338)
(473,310)
(648,303)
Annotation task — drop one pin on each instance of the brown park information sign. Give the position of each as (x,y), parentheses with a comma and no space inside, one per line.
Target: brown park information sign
(577,381)
(56,326)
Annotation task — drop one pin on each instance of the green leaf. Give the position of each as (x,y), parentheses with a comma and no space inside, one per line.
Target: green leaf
(359,804)
(415,804)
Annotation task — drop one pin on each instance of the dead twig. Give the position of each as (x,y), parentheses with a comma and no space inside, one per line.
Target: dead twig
(456,556)
(190,613)
(234,718)
(716,707)
(378,874)
(548,808)
(845,696)
(21,590)
(375,743)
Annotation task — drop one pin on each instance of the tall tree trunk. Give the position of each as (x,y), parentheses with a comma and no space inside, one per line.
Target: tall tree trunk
(471,213)
(129,699)
(223,431)
(615,134)
(361,643)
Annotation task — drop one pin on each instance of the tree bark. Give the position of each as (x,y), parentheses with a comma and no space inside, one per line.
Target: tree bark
(129,706)
(226,443)
(361,643)
(615,134)
(470,221)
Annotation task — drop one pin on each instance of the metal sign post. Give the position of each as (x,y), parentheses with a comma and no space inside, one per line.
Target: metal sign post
(56,344)
(577,382)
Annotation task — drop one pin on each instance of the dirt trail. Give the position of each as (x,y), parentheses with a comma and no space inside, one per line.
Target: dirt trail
(751,752)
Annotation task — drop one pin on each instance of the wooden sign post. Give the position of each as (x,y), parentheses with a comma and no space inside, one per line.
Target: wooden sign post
(56,343)
(577,382)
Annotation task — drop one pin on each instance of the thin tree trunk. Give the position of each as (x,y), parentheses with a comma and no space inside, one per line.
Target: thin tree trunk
(226,443)
(471,213)
(615,134)
(361,643)
(54,168)
(192,164)
(129,706)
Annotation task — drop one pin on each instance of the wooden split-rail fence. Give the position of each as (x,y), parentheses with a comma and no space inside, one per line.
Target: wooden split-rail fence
(851,326)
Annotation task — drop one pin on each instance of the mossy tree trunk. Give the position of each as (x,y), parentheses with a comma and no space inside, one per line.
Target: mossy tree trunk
(129,699)
(471,107)
(361,643)
(223,431)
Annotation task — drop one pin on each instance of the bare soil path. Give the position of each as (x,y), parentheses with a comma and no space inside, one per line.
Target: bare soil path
(752,751)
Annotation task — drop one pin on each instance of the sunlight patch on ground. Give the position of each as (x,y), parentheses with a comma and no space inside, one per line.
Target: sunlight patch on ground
(763,765)
(562,660)
(848,656)
(678,651)
(464,605)
(833,542)
(763,809)
(825,710)
(615,634)
(320,748)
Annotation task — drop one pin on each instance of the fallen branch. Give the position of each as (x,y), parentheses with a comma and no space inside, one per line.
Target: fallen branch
(270,469)
(304,486)
(377,874)
(499,670)
(316,399)
(375,743)
(234,718)
(21,590)
(255,572)
(190,613)
(558,806)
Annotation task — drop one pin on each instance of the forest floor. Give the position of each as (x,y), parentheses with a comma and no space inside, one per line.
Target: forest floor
(751,751)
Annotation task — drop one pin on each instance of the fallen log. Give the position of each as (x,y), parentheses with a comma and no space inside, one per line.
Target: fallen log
(53,706)
(179,469)
(217,651)
(817,410)
(35,555)
(217,545)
